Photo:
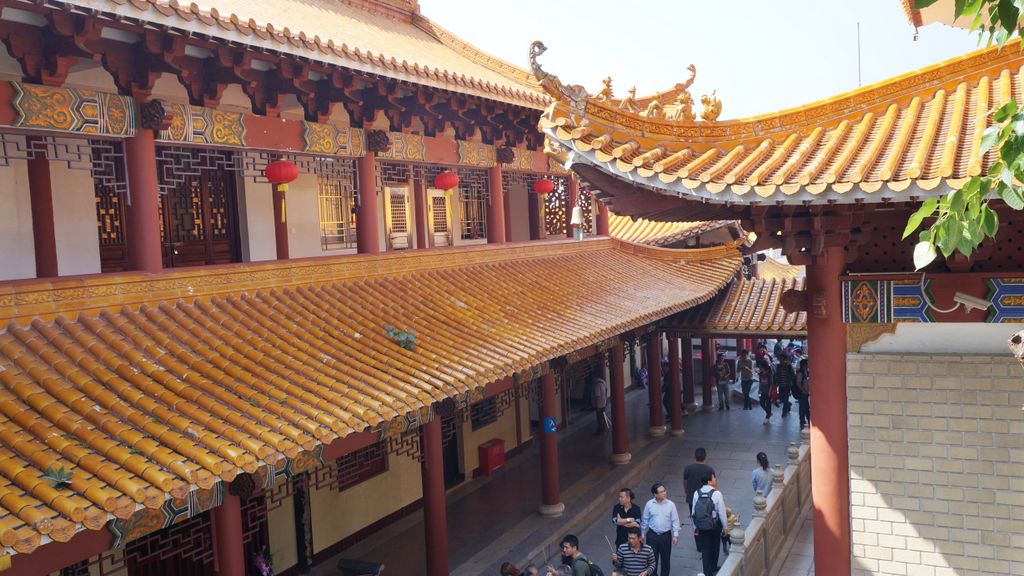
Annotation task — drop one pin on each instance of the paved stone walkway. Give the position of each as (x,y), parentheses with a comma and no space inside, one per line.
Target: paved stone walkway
(495,519)
(732,439)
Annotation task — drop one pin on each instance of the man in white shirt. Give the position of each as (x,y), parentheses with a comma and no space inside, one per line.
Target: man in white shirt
(709,521)
(660,525)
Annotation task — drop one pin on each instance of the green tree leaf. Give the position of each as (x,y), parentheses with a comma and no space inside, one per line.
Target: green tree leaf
(1005,111)
(989,221)
(989,139)
(1011,196)
(924,254)
(927,209)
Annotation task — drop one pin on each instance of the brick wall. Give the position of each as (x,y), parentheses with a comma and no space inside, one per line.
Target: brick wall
(936,464)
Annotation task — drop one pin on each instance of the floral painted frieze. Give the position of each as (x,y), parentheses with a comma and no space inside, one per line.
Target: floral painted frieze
(73,110)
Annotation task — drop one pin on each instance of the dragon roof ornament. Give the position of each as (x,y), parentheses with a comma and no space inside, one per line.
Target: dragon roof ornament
(575,94)
(674,104)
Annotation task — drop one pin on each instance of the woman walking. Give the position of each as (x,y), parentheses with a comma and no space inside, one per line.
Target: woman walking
(761,478)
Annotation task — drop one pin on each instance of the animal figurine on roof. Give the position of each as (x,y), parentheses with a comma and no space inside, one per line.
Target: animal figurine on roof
(712,107)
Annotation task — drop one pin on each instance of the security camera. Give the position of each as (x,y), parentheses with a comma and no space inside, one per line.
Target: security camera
(971,302)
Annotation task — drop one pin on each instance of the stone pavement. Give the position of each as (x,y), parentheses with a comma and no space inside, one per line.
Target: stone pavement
(495,519)
(732,439)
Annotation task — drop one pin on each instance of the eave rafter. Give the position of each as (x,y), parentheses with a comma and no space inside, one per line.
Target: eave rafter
(138,53)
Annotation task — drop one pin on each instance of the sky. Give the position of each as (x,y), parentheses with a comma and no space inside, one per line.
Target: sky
(759,56)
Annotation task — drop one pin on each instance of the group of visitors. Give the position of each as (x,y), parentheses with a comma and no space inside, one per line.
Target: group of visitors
(644,538)
(781,375)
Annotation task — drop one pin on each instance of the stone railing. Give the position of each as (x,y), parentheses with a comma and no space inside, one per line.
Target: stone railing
(760,546)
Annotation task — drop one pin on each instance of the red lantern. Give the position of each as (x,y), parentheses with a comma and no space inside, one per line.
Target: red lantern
(446,180)
(544,186)
(280,173)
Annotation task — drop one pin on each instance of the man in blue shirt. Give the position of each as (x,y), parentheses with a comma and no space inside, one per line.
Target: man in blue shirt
(660,524)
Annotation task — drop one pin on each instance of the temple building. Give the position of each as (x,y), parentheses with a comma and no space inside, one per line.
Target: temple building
(265,263)
(916,446)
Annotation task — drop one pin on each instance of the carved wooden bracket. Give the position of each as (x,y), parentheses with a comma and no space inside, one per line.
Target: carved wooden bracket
(153,115)
(377,141)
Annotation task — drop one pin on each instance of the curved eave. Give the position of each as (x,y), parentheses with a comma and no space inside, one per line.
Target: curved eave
(191,20)
(728,195)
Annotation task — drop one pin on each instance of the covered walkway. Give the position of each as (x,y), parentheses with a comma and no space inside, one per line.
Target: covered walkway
(495,519)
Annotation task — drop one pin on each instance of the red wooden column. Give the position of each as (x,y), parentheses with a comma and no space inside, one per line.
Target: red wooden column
(571,198)
(367,226)
(495,207)
(144,250)
(508,215)
(228,553)
(419,205)
(617,383)
(44,231)
(602,218)
(830,482)
(689,397)
(435,521)
(675,386)
(551,498)
(657,411)
(707,364)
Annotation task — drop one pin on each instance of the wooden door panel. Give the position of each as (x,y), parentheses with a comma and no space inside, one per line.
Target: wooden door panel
(198,219)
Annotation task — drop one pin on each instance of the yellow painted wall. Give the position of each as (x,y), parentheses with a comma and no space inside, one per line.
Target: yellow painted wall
(337,515)
(504,428)
(281,529)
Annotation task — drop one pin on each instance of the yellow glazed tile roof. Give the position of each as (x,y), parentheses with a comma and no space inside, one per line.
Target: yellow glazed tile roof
(334,32)
(652,233)
(773,269)
(894,140)
(145,387)
(748,307)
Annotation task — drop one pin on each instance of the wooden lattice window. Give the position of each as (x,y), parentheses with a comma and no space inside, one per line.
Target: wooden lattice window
(184,548)
(473,196)
(361,465)
(554,208)
(338,208)
(483,413)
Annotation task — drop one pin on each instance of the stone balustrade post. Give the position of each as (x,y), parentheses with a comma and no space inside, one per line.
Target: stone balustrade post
(793,453)
(778,477)
(737,537)
(760,505)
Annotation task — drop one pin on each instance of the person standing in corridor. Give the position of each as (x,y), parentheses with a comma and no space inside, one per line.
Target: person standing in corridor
(660,525)
(745,369)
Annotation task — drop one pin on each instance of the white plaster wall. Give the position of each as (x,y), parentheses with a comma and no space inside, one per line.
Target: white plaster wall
(519,211)
(944,337)
(74,217)
(17,253)
(256,213)
(303,217)
(90,74)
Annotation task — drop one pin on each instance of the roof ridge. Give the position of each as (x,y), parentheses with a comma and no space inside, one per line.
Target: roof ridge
(453,41)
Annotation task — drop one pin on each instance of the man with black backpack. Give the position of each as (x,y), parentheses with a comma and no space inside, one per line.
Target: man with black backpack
(578,564)
(709,517)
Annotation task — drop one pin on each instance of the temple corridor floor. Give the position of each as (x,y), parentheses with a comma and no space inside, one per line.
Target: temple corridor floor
(485,513)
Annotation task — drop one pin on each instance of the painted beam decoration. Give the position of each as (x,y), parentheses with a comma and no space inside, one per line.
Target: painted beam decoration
(1007,297)
(90,112)
(885,301)
(73,110)
(196,125)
